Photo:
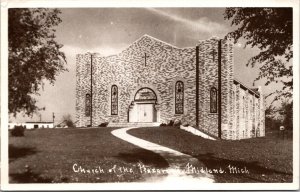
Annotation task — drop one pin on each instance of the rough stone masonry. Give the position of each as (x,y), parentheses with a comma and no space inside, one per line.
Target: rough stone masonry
(153,81)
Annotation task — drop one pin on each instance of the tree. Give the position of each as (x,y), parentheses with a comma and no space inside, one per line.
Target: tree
(34,55)
(271,30)
(280,115)
(287,109)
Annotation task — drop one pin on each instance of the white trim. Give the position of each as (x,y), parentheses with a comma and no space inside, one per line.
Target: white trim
(196,132)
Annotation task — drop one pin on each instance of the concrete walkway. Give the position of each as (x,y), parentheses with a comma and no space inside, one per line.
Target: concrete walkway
(178,162)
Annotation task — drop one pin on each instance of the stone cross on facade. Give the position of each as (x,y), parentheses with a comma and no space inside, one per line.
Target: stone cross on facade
(213,52)
(145,56)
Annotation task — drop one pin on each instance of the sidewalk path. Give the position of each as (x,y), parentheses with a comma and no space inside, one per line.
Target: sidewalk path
(177,160)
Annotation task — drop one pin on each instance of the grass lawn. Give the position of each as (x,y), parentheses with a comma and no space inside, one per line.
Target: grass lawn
(268,159)
(48,156)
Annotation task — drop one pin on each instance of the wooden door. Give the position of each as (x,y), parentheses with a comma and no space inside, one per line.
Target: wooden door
(145,113)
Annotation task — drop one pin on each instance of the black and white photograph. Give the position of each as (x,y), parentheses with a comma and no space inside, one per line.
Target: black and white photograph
(126,95)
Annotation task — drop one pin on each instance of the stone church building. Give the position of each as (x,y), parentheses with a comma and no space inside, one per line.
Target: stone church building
(154,82)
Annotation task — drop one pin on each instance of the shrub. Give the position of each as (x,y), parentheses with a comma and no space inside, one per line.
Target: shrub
(272,124)
(186,125)
(163,125)
(70,124)
(177,123)
(18,131)
(103,124)
(67,120)
(88,125)
(171,123)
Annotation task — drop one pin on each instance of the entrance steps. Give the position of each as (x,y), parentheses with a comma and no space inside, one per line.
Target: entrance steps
(134,124)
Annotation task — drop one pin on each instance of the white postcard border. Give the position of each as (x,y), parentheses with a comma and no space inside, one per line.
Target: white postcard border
(144,3)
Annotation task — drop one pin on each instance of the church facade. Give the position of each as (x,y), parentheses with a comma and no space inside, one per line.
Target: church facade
(153,81)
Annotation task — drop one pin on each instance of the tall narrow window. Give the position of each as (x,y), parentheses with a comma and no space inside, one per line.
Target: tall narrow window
(179,93)
(213,100)
(114,100)
(87,105)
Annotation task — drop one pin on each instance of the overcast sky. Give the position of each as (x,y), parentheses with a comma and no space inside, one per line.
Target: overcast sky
(110,30)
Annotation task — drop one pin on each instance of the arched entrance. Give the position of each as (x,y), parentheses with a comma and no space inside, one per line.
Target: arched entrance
(144,106)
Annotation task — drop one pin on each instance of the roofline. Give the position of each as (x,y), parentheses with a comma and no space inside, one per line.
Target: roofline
(39,122)
(145,35)
(245,87)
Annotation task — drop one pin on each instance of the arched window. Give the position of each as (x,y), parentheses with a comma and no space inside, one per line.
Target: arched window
(145,94)
(114,100)
(87,105)
(179,93)
(213,100)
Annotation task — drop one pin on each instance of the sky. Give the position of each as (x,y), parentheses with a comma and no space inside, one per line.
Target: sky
(110,30)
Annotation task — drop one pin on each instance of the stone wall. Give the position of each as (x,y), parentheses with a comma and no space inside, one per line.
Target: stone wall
(208,65)
(248,116)
(165,65)
(242,110)
(261,118)
(208,56)
(227,89)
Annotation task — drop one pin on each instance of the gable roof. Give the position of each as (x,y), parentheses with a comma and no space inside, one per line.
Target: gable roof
(142,38)
(253,91)
(155,39)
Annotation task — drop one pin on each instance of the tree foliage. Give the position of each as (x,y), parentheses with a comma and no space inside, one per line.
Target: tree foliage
(34,55)
(271,30)
(288,115)
(282,115)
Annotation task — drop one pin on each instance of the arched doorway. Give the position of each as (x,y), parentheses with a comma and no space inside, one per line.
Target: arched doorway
(143,107)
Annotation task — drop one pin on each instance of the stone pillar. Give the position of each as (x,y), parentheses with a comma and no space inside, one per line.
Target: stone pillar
(208,78)
(83,80)
(227,89)
(261,112)
(78,107)
(238,112)
(130,112)
(157,108)
(247,131)
(215,54)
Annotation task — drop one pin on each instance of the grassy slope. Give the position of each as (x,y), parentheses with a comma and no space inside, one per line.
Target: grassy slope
(268,159)
(50,155)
